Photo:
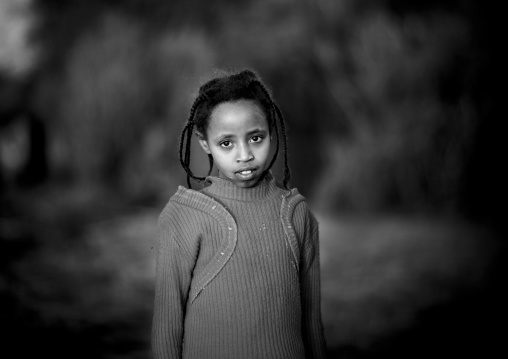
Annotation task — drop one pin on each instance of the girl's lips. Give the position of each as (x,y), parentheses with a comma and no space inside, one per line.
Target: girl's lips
(246,171)
(246,174)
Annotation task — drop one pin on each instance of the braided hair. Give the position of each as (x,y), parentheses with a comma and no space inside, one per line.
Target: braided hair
(244,85)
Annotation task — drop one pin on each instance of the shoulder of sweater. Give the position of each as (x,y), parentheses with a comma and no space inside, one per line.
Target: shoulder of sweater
(296,202)
(183,197)
(301,215)
(293,195)
(186,199)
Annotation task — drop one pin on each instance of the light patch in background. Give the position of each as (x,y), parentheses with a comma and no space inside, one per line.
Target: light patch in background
(17,55)
(14,148)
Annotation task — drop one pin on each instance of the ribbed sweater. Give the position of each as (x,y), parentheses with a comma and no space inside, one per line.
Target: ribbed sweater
(237,275)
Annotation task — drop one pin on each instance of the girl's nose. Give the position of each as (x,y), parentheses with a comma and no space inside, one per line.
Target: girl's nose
(244,153)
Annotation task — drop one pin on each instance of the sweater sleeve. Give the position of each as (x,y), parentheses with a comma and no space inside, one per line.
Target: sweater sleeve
(172,282)
(312,327)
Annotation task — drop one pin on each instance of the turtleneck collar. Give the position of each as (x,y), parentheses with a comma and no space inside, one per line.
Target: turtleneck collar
(223,188)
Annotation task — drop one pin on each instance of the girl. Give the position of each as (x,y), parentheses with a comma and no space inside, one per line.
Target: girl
(238,261)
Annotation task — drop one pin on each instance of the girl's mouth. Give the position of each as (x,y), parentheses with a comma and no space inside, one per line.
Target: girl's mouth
(246,173)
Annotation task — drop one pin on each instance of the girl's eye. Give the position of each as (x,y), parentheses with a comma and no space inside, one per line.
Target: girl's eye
(226,144)
(256,138)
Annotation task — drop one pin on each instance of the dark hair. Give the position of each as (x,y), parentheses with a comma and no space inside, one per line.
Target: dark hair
(244,85)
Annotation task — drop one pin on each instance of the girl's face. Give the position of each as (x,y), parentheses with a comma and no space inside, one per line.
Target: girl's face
(238,138)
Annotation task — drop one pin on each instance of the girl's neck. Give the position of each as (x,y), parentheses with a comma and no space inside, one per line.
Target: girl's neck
(219,187)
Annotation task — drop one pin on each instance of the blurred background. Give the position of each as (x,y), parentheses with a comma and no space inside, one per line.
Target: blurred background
(394,135)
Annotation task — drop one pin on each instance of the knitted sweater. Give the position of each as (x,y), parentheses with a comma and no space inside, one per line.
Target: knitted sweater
(237,275)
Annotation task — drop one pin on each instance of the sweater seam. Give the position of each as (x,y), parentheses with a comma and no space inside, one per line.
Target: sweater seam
(198,209)
(226,247)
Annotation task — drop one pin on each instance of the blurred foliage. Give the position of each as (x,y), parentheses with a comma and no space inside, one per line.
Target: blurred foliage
(378,94)
(409,138)
(120,87)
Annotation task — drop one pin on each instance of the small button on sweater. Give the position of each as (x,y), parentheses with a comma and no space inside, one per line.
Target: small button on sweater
(237,275)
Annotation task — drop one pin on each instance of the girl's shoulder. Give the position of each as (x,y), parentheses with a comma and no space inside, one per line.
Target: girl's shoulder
(186,201)
(298,211)
(295,203)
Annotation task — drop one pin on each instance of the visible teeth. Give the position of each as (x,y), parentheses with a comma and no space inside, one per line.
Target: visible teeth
(246,172)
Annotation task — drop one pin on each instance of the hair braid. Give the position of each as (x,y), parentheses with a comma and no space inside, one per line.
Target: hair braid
(210,162)
(187,153)
(186,142)
(276,148)
(287,170)
(182,140)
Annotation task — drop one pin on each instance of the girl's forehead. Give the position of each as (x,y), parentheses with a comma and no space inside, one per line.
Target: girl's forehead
(237,116)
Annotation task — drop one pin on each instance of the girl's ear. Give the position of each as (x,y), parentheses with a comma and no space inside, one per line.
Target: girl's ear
(202,142)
